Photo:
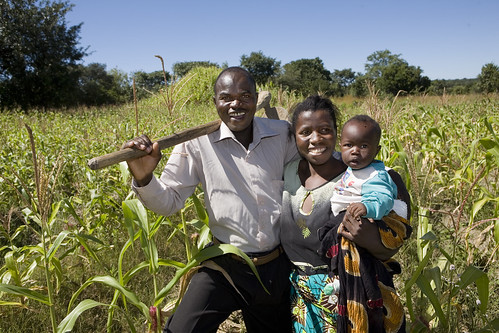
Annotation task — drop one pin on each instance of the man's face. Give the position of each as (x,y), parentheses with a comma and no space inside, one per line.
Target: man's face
(235,100)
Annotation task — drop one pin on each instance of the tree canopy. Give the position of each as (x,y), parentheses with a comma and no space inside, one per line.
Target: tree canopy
(263,68)
(180,69)
(488,79)
(392,74)
(307,76)
(39,54)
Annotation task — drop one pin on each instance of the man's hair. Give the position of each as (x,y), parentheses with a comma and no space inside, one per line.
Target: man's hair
(314,103)
(234,69)
(362,118)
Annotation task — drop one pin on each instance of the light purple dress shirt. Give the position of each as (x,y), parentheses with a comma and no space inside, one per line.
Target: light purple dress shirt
(242,187)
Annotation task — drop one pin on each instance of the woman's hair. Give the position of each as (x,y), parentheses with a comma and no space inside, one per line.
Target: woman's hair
(315,103)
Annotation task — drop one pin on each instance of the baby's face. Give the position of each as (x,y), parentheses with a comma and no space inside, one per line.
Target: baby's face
(359,145)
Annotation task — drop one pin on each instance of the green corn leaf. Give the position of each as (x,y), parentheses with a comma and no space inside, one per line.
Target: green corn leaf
(205,254)
(6,303)
(200,210)
(58,241)
(24,292)
(496,231)
(113,283)
(55,210)
(66,325)
(482,285)
(425,287)
(418,271)
(434,274)
(470,275)
(70,208)
(477,205)
(10,264)
(492,148)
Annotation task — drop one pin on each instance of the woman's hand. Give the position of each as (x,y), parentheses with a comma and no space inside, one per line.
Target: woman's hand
(142,168)
(365,233)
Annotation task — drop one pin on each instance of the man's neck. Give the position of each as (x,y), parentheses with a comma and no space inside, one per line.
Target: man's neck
(245,137)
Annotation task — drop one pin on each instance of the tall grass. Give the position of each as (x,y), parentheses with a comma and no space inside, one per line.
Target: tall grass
(115,265)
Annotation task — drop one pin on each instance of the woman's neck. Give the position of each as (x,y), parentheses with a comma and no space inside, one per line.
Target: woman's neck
(312,175)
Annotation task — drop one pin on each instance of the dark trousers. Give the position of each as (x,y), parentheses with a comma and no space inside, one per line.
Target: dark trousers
(210,298)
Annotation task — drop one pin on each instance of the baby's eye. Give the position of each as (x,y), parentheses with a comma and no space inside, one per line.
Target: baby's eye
(363,146)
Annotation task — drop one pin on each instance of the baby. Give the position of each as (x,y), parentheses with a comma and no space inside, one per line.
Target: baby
(366,189)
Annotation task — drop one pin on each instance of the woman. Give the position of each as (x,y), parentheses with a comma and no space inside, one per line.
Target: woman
(308,187)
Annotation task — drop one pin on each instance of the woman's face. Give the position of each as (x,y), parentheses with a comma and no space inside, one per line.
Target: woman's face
(315,136)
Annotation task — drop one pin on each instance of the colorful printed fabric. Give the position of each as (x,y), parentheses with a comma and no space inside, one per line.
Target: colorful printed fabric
(367,299)
(314,302)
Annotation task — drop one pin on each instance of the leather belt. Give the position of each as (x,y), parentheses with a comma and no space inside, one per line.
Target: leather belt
(255,258)
(262,260)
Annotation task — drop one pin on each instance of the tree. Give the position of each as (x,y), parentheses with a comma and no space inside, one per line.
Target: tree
(99,87)
(263,68)
(39,54)
(307,76)
(391,73)
(146,83)
(488,79)
(180,69)
(342,80)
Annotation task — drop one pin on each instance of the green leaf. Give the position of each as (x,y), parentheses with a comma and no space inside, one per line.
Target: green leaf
(496,231)
(492,147)
(200,210)
(482,286)
(205,254)
(113,283)
(425,287)
(6,303)
(470,275)
(418,270)
(477,205)
(55,210)
(66,325)
(58,241)
(25,292)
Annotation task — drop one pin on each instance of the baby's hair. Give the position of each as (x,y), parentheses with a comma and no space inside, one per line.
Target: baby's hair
(314,103)
(235,69)
(362,118)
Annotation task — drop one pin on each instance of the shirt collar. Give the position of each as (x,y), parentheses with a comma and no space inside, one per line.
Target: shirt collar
(260,130)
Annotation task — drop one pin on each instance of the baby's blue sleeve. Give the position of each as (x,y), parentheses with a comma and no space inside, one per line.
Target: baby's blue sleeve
(378,195)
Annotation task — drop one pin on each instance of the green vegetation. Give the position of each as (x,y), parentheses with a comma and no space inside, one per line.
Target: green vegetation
(40,68)
(77,243)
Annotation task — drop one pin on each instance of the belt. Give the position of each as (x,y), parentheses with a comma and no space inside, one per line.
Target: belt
(255,258)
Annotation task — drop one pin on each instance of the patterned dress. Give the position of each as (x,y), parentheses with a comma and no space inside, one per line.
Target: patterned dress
(314,293)
(364,300)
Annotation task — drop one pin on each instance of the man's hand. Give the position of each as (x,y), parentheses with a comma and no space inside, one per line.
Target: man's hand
(142,168)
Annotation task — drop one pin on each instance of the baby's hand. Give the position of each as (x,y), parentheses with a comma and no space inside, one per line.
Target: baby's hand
(357,210)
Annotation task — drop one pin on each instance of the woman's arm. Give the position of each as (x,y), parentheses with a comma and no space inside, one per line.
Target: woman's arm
(366,234)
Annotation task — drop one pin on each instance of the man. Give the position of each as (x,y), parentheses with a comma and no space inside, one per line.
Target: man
(240,167)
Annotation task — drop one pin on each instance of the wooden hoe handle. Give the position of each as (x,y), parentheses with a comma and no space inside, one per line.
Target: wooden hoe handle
(165,142)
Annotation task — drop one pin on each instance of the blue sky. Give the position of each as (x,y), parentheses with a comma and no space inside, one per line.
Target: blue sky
(448,39)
